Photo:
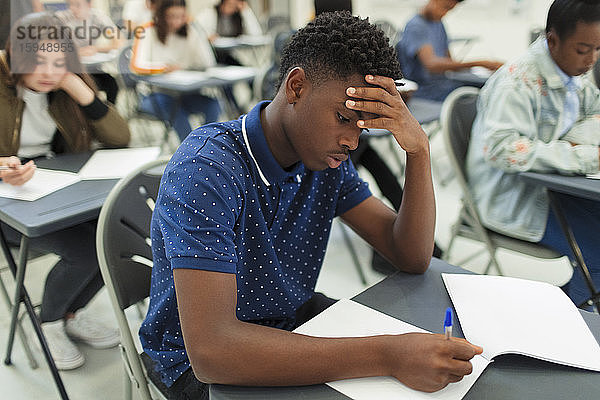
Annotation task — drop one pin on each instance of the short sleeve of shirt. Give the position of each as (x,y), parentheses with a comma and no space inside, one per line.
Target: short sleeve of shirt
(415,36)
(199,204)
(353,190)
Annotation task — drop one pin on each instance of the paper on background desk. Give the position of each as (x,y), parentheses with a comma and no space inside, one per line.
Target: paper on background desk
(231,72)
(593,176)
(181,77)
(347,318)
(117,163)
(43,183)
(510,315)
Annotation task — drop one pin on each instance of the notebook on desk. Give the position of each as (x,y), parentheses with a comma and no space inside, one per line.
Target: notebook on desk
(518,316)
(492,315)
(347,318)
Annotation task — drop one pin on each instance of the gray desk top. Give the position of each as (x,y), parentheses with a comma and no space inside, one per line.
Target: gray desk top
(579,186)
(67,207)
(467,78)
(421,300)
(164,82)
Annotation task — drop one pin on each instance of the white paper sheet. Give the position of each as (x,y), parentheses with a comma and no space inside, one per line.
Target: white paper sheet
(43,183)
(593,176)
(511,315)
(231,73)
(117,163)
(347,318)
(182,77)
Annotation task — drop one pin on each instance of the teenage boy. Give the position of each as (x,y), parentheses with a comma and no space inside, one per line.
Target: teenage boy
(243,217)
(538,114)
(424,54)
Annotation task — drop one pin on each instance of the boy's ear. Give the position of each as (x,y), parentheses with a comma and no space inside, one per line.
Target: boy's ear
(295,85)
(552,39)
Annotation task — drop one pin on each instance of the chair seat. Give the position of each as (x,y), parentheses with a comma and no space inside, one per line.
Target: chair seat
(510,243)
(152,374)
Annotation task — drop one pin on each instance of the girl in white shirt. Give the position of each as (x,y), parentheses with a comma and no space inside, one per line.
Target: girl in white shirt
(169,44)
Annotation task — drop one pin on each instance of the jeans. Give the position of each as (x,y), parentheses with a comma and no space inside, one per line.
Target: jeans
(177,110)
(583,216)
(76,278)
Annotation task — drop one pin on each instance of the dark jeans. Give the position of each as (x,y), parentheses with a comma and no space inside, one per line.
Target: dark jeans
(76,278)
(178,110)
(583,217)
(187,387)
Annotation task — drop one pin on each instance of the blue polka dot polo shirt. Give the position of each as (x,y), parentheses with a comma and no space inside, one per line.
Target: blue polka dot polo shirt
(226,205)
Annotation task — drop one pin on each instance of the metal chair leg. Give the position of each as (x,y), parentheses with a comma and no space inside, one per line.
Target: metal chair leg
(353,254)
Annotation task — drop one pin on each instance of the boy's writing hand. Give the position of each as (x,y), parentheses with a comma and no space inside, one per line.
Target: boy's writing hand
(429,362)
(18,174)
(391,113)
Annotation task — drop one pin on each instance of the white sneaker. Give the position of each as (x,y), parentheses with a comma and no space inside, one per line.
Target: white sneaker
(85,329)
(66,355)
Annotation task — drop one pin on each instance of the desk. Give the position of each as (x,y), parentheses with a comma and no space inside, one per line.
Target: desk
(184,82)
(578,186)
(240,42)
(467,78)
(421,300)
(67,207)
(249,50)
(95,62)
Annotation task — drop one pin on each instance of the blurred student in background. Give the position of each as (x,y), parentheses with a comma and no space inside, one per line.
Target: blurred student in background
(171,44)
(424,55)
(80,15)
(229,18)
(538,114)
(50,107)
(137,13)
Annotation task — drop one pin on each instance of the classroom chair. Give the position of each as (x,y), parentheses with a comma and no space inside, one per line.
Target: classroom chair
(458,113)
(133,98)
(393,33)
(596,73)
(125,258)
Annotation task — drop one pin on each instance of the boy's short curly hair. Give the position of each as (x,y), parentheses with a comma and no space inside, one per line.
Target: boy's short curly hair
(337,45)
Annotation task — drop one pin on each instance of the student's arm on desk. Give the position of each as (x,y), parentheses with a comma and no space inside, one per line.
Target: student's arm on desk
(224,350)
(439,65)
(406,238)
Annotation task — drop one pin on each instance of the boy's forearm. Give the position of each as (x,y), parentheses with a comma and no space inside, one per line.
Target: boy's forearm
(416,215)
(249,354)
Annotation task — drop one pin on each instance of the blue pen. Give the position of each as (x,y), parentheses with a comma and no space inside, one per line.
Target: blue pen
(448,323)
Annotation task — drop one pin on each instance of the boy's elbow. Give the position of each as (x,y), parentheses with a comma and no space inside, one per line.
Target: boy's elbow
(416,265)
(205,364)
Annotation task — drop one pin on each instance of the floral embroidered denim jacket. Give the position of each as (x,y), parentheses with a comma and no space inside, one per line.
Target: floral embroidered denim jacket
(518,128)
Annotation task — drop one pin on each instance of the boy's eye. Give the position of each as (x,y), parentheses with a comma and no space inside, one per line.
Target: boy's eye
(342,118)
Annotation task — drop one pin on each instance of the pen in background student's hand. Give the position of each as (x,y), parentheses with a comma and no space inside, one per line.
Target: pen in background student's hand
(448,323)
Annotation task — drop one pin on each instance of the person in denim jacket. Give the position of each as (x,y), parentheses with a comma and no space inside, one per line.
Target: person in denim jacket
(539,114)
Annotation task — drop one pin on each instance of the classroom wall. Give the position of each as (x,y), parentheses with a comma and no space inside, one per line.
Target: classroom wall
(502,26)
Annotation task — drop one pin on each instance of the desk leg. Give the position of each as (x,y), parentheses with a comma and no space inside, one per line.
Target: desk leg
(21,295)
(555,203)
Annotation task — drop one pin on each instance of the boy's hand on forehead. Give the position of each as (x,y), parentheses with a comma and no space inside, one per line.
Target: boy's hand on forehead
(383,100)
